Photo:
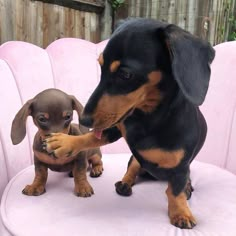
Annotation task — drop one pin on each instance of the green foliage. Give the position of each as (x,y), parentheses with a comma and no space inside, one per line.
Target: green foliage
(232,32)
(115,4)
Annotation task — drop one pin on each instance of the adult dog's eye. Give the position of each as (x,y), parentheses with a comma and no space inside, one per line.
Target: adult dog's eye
(125,75)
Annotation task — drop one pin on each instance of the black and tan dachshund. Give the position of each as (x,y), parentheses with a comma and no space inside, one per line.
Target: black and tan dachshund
(52,111)
(154,76)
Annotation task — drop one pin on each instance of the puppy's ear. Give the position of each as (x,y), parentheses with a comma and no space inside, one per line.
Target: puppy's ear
(190,60)
(77,106)
(18,128)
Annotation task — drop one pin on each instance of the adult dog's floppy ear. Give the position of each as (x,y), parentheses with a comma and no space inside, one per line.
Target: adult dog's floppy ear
(190,57)
(77,106)
(18,128)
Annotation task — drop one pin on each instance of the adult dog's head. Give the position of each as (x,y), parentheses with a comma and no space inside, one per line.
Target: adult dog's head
(145,63)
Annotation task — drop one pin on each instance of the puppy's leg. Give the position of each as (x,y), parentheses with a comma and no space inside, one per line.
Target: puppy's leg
(38,186)
(82,186)
(178,209)
(124,187)
(97,165)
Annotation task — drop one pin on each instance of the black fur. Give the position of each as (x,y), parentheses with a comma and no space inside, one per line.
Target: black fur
(143,46)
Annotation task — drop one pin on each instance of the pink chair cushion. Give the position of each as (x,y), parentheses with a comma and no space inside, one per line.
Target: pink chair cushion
(71,65)
(59,212)
(219,110)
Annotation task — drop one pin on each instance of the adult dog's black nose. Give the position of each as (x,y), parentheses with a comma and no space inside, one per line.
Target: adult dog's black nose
(86,120)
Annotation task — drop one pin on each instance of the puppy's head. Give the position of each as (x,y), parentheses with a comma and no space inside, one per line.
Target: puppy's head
(144,63)
(51,110)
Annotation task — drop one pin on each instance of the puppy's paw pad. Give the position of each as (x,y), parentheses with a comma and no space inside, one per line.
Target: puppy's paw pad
(84,190)
(32,190)
(96,171)
(183,222)
(123,188)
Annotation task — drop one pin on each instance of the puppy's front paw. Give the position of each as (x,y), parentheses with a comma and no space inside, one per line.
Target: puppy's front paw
(83,189)
(96,170)
(123,188)
(183,221)
(32,190)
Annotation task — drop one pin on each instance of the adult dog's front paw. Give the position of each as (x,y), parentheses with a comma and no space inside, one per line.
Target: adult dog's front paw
(33,190)
(183,221)
(123,188)
(60,145)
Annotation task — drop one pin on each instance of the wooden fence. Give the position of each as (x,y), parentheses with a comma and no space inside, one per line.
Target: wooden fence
(43,21)
(209,19)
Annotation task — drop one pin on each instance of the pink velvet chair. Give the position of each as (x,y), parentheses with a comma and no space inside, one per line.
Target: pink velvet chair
(71,65)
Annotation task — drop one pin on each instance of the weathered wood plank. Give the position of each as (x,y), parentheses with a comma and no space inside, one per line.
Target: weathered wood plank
(82,5)
(205,18)
(41,23)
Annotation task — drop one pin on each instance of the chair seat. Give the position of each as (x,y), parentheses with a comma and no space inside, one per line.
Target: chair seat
(59,212)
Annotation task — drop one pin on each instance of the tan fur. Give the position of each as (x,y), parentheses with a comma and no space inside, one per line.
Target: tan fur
(132,172)
(146,98)
(114,66)
(122,129)
(101,59)
(164,159)
(75,144)
(178,209)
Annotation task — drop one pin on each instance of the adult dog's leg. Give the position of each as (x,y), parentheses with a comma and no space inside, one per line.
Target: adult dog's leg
(124,187)
(178,209)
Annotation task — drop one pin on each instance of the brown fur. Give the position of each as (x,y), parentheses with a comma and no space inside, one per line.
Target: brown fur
(42,107)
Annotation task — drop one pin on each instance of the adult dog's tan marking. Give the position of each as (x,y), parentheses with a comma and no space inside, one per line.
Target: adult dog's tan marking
(114,66)
(152,95)
(110,109)
(101,59)
(43,134)
(74,144)
(122,129)
(164,159)
(132,172)
(179,212)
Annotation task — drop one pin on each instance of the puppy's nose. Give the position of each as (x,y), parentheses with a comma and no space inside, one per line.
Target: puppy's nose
(86,121)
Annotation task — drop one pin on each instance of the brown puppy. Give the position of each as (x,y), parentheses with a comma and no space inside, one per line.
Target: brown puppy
(52,111)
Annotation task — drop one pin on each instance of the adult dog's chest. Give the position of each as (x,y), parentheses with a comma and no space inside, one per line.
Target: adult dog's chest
(152,145)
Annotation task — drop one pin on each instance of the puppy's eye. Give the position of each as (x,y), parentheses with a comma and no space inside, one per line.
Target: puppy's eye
(125,75)
(42,119)
(68,117)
